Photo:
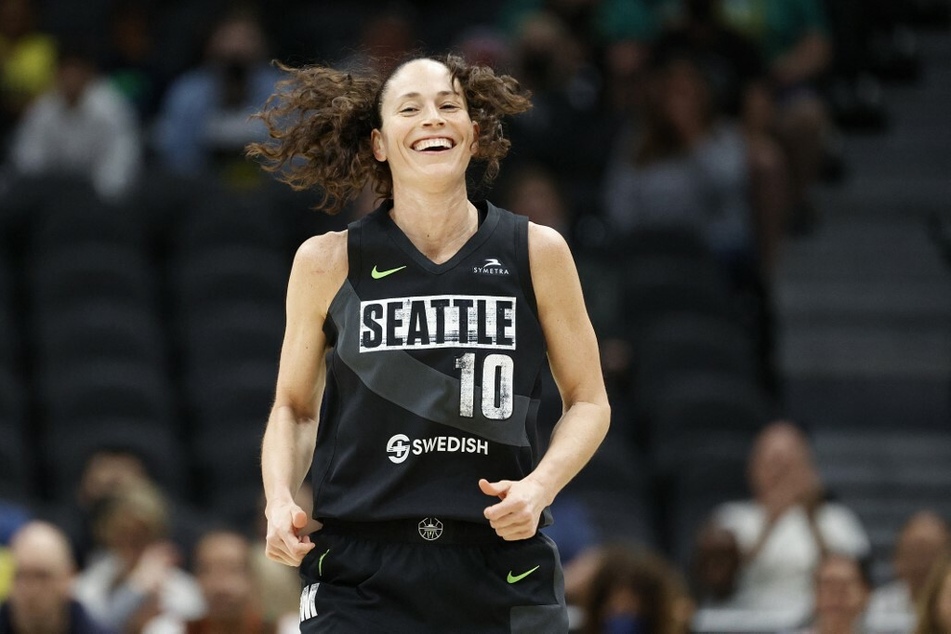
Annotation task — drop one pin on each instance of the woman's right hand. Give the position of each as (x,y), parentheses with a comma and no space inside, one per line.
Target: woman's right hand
(288,533)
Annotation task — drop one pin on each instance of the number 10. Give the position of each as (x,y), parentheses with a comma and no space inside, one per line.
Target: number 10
(498,377)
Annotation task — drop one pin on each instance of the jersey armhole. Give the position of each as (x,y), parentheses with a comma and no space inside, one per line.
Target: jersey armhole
(523,263)
(354,261)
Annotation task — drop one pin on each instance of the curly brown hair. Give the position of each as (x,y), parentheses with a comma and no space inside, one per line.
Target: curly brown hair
(320,120)
(624,568)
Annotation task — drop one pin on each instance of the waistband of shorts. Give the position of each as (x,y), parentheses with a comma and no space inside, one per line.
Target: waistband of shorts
(427,530)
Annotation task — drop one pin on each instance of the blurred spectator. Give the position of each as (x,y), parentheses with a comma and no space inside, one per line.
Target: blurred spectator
(923,540)
(83,126)
(27,61)
(934,606)
(6,572)
(136,577)
(106,472)
(685,167)
(592,22)
(204,122)
(484,45)
(131,58)
(40,600)
(532,191)
(793,36)
(630,592)
(714,567)
(842,589)
(736,71)
(574,528)
(732,61)
(552,60)
(12,518)
(628,29)
(788,526)
(224,572)
(386,39)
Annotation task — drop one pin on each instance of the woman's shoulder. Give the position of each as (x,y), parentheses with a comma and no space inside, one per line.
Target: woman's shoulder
(324,253)
(321,262)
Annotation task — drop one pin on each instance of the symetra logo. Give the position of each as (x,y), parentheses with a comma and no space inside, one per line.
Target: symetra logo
(492,266)
(400,446)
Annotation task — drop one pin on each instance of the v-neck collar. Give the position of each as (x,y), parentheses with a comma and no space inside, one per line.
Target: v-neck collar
(486,227)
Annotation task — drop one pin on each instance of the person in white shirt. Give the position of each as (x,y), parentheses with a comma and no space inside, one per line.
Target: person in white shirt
(136,575)
(786,529)
(83,127)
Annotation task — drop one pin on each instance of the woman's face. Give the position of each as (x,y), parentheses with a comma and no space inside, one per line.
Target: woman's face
(426,137)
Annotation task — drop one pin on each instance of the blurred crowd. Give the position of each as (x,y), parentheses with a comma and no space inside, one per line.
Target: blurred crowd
(688,133)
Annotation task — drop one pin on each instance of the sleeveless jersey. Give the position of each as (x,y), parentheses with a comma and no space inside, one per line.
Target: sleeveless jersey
(433,377)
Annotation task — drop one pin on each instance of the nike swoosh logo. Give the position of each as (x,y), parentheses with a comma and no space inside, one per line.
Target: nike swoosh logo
(516,578)
(377,275)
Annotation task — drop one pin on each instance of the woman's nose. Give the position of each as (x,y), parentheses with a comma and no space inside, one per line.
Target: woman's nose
(433,116)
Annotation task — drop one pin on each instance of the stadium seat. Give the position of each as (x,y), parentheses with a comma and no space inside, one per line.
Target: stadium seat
(77,274)
(689,343)
(226,275)
(71,214)
(15,459)
(9,328)
(220,218)
(100,331)
(224,336)
(694,410)
(84,393)
(67,447)
(652,288)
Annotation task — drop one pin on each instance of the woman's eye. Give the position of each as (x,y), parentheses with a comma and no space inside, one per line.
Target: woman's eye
(408,109)
(450,106)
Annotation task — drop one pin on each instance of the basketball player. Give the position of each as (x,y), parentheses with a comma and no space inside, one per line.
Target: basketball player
(422,329)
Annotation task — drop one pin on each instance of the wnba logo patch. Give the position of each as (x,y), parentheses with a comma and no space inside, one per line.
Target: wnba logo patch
(430,529)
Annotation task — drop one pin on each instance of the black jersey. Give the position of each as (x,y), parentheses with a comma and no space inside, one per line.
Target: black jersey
(433,379)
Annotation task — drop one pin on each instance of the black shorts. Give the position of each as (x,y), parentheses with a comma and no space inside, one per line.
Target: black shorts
(419,576)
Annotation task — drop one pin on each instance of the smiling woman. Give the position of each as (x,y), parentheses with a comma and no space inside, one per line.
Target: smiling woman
(418,336)
(320,121)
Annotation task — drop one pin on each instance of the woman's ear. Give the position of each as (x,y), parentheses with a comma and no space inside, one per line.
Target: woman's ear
(376,140)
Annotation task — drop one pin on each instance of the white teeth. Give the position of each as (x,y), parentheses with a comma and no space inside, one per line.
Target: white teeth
(425,144)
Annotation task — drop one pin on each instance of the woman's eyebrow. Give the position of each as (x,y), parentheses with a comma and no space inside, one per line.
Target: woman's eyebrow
(441,93)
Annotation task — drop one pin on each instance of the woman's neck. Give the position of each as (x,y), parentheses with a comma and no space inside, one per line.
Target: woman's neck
(437,224)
